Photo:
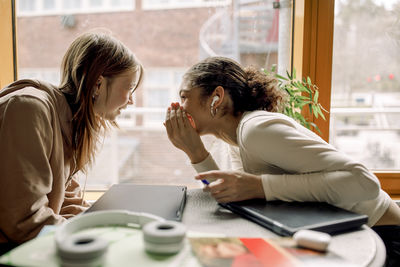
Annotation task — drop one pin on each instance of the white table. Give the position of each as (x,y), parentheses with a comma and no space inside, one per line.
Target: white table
(203,217)
(202,214)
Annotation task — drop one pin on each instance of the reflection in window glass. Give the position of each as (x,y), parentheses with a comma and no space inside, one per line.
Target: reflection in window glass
(71,4)
(117,3)
(26,5)
(95,3)
(49,4)
(365,115)
(167,42)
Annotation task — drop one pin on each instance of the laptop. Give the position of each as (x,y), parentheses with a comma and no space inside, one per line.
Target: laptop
(166,201)
(286,218)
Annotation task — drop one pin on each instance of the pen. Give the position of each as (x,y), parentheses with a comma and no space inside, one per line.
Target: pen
(205,182)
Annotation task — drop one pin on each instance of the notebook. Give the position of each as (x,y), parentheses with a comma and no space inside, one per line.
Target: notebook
(286,218)
(167,201)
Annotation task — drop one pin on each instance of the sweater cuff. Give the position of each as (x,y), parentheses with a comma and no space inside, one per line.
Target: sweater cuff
(266,187)
(206,165)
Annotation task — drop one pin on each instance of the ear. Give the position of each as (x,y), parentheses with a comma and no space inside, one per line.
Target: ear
(219,91)
(99,81)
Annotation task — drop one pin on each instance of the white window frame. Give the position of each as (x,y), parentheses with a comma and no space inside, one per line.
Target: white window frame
(176,4)
(173,88)
(106,7)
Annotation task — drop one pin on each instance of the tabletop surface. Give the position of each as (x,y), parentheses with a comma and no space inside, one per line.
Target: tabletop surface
(202,214)
(203,218)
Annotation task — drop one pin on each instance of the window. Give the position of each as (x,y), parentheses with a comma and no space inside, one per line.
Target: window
(170,4)
(26,5)
(71,5)
(161,89)
(312,56)
(51,75)
(57,7)
(49,4)
(167,42)
(365,113)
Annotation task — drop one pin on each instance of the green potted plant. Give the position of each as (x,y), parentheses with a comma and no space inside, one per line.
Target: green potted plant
(299,93)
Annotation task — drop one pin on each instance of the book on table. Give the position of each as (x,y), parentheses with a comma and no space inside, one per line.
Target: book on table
(286,218)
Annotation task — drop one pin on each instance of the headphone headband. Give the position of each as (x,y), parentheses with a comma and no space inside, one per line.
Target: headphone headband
(81,249)
(103,218)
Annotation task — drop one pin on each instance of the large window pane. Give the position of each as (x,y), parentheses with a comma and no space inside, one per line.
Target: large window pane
(365,115)
(167,37)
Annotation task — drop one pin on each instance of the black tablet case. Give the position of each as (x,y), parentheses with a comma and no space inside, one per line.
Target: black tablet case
(167,201)
(286,218)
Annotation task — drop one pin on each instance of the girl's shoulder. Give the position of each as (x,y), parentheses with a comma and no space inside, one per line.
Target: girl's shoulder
(260,119)
(29,92)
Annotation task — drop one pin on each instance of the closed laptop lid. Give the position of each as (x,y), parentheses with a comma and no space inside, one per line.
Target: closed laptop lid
(163,200)
(286,218)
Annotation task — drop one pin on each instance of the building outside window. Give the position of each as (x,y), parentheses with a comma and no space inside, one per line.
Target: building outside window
(167,41)
(365,113)
(172,4)
(60,7)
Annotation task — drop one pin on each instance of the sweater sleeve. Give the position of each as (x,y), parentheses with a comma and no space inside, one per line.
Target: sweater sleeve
(208,164)
(313,169)
(73,201)
(234,155)
(26,177)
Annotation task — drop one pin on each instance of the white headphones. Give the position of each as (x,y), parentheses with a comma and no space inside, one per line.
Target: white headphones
(215,99)
(75,249)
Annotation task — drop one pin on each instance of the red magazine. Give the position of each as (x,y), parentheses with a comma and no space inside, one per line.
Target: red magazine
(258,252)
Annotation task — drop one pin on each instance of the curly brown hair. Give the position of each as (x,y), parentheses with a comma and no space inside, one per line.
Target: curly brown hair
(249,88)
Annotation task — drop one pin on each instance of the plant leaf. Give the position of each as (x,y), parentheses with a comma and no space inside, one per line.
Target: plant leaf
(281,77)
(315,111)
(300,93)
(309,81)
(288,74)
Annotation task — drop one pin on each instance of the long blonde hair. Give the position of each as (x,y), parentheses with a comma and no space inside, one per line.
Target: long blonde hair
(89,56)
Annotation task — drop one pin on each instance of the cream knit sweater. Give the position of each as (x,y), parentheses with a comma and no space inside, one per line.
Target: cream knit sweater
(297,165)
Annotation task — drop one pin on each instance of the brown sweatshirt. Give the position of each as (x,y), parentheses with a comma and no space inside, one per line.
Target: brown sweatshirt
(36,187)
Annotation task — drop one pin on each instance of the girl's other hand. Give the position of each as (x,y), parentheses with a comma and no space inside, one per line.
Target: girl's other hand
(232,186)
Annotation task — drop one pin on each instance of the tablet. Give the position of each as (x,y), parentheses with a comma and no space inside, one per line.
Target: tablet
(286,218)
(167,201)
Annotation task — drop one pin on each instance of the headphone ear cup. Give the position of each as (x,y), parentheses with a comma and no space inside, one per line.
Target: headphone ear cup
(82,249)
(164,237)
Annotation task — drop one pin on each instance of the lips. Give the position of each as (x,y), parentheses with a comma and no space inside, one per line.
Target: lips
(190,118)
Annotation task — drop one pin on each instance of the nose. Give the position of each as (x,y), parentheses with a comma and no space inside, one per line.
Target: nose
(130,100)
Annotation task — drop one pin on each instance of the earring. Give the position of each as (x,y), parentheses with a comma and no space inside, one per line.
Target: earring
(215,99)
(213,112)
